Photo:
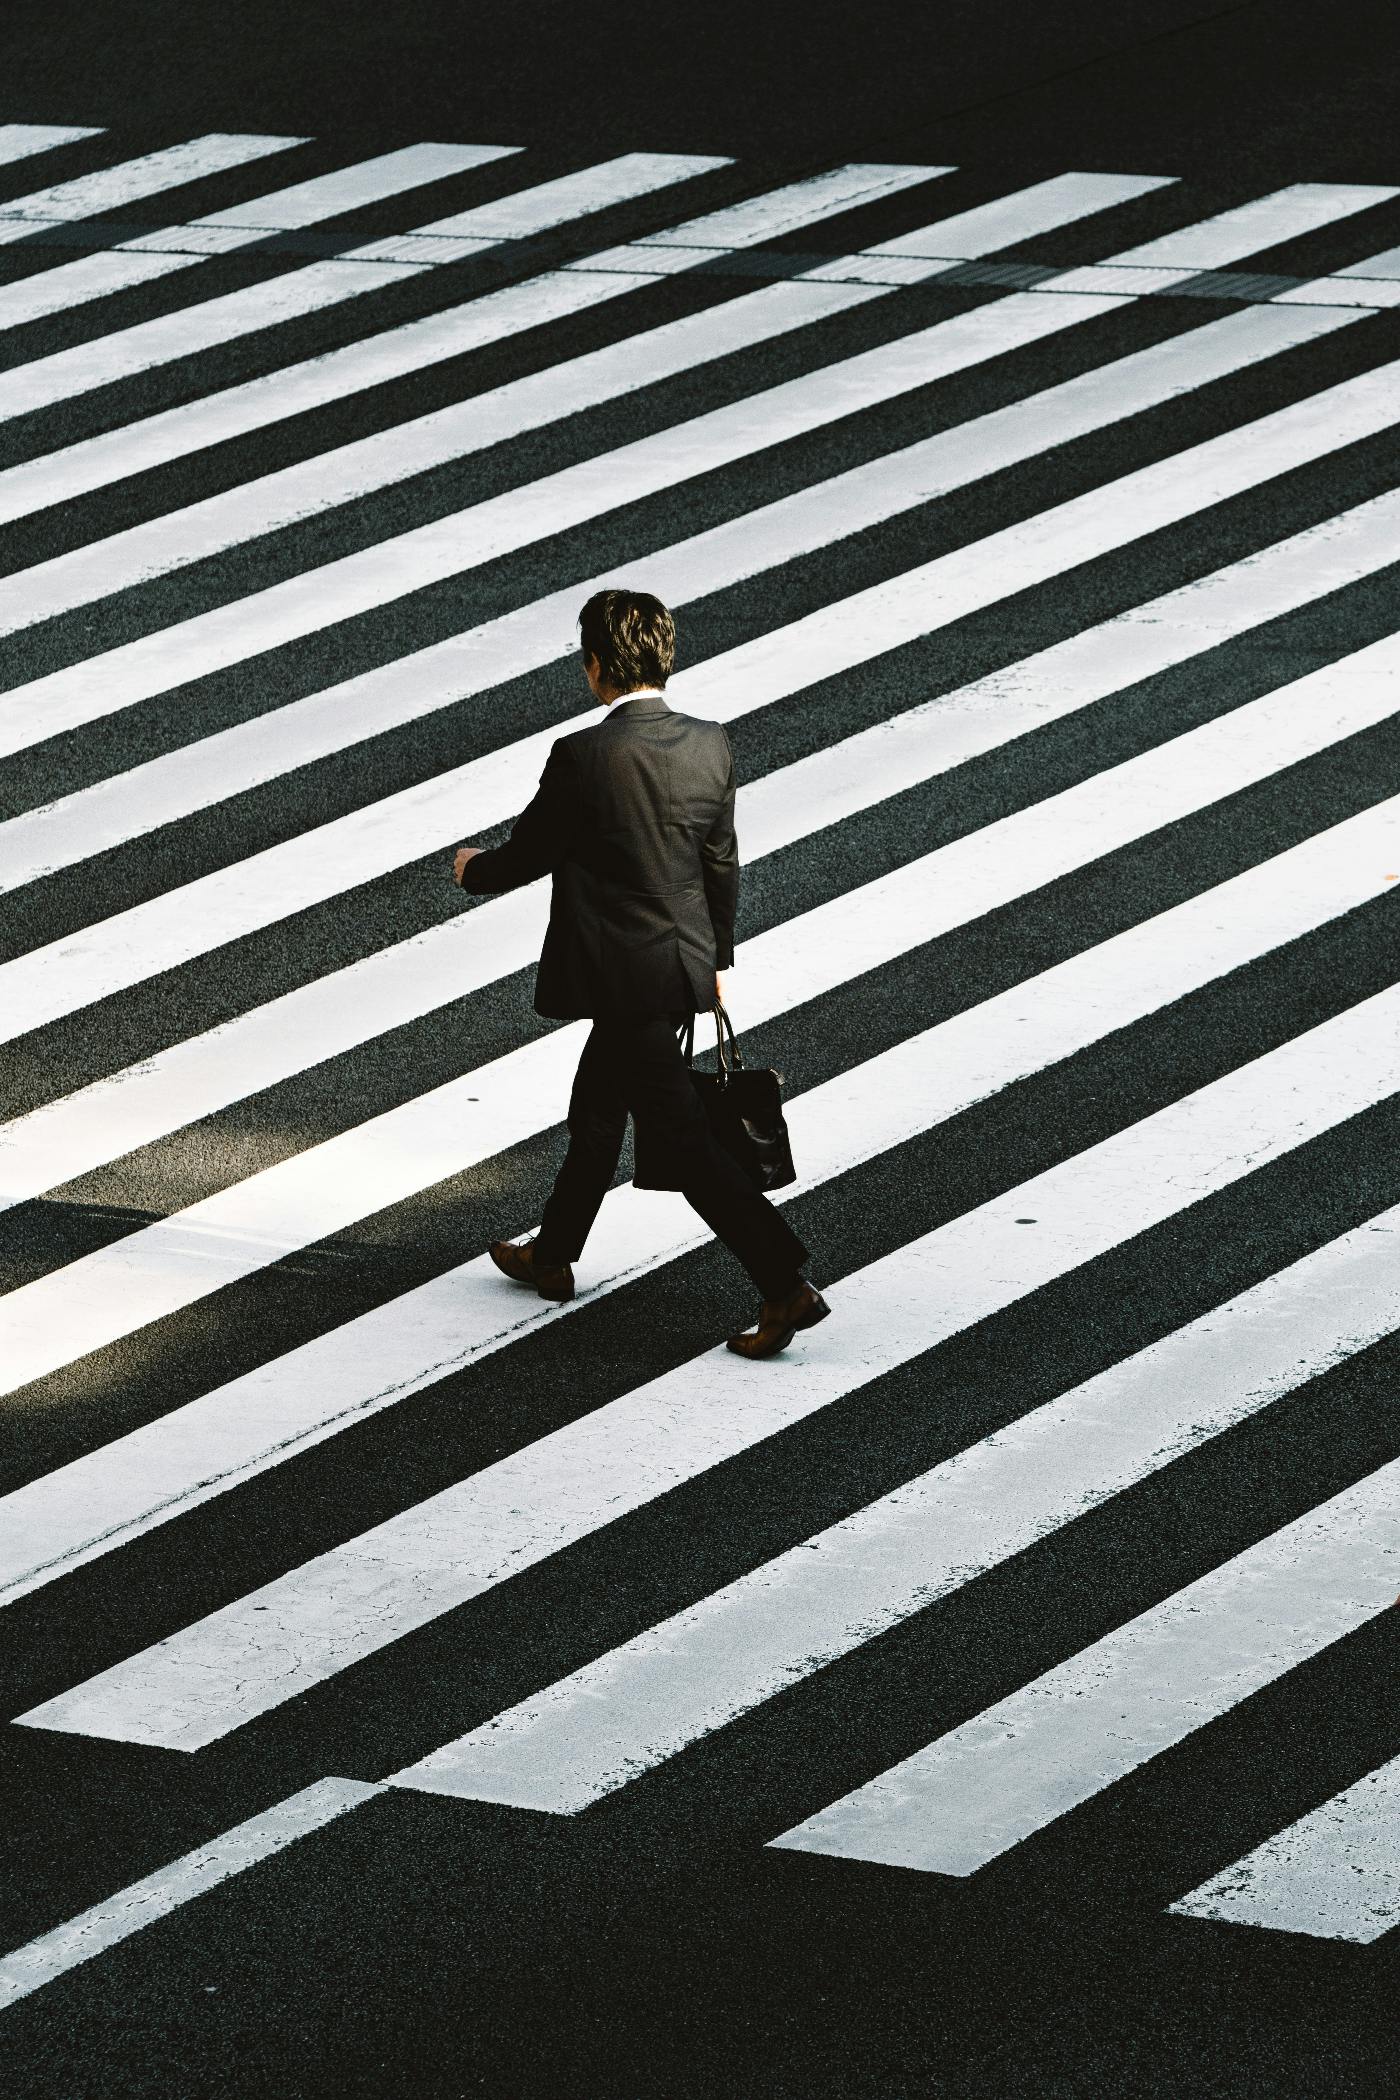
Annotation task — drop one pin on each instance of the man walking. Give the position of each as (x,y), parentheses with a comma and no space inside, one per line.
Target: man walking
(634,819)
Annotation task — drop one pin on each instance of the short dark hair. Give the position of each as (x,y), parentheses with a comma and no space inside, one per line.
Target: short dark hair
(633,637)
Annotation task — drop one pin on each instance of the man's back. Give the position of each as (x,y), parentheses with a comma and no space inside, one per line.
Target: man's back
(634,819)
(642,913)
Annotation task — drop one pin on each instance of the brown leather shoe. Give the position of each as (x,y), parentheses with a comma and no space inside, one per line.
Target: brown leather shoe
(551,1279)
(779,1321)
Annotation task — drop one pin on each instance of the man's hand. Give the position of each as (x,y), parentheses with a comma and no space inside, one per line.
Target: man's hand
(464,854)
(719,989)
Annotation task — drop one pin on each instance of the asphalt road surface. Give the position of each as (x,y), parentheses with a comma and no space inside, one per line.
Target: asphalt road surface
(413,1689)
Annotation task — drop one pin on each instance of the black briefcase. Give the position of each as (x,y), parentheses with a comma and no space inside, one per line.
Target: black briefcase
(744,1109)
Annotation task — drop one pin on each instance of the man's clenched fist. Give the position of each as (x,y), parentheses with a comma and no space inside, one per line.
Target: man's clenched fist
(464,854)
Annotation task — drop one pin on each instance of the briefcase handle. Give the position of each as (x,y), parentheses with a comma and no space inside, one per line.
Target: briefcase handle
(727,1054)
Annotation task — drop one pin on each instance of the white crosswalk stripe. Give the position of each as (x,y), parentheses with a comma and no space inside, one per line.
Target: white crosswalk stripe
(20,141)
(324,1188)
(1138,809)
(79,1510)
(1264,222)
(616,1718)
(149,344)
(89,822)
(868,495)
(1039,1753)
(111,189)
(93,462)
(1333,1874)
(156,1895)
(148,256)
(355,470)
(292,1634)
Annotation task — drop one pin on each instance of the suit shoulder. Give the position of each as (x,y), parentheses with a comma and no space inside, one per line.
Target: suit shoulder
(569,748)
(713,733)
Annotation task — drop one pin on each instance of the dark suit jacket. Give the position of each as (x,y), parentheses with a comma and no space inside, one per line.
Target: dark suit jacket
(634,818)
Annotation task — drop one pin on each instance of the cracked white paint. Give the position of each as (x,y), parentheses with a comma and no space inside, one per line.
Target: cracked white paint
(1021,1764)
(1334,1874)
(598,1728)
(19,141)
(152,255)
(109,189)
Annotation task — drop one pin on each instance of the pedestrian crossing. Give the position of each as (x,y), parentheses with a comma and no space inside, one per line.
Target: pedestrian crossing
(1331,1874)
(117,952)
(392,986)
(19,141)
(1052,618)
(1084,1724)
(149,174)
(148,1274)
(944,1070)
(148,256)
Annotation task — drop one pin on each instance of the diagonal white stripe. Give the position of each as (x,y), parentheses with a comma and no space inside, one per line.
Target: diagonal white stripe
(569,496)
(1334,1874)
(1227,237)
(161,544)
(156,1895)
(347,189)
(526,212)
(89,277)
(94,462)
(119,951)
(1387,265)
(1251,228)
(779,212)
(1006,222)
(430,553)
(502,935)
(1231,236)
(295,1632)
(150,344)
(1057,1742)
(605,1724)
(19,141)
(154,255)
(110,188)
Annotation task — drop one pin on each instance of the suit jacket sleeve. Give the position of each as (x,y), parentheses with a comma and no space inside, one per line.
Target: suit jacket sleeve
(541,836)
(719,858)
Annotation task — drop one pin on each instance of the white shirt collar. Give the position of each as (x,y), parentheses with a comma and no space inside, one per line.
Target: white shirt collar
(643,692)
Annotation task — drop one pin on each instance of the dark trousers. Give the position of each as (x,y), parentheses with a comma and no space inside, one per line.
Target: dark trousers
(637,1066)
